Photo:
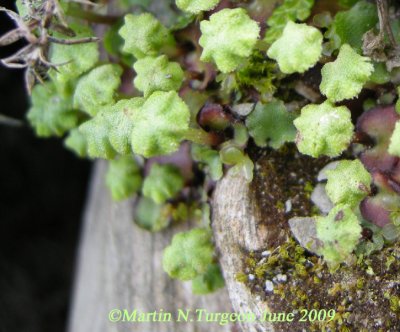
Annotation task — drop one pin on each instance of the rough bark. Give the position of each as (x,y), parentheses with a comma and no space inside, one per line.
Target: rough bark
(236,231)
(119,267)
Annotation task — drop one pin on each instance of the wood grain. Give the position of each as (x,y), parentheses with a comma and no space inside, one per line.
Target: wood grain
(119,266)
(236,230)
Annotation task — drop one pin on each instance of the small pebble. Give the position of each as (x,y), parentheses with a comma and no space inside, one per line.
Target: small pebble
(243,109)
(266,253)
(322,173)
(262,261)
(269,286)
(320,198)
(251,277)
(288,206)
(281,277)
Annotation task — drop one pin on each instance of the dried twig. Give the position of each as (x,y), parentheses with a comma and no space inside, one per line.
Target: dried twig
(43,16)
(384,21)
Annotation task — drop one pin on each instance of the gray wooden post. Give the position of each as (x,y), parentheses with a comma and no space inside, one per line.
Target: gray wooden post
(119,267)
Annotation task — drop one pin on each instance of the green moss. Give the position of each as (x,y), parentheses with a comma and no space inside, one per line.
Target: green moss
(308,187)
(360,284)
(394,303)
(310,285)
(389,261)
(241,277)
(280,205)
(259,73)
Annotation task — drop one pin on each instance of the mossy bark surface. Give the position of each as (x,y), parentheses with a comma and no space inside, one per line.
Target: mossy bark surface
(255,246)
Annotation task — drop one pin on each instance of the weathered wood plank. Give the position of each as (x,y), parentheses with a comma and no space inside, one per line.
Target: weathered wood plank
(119,267)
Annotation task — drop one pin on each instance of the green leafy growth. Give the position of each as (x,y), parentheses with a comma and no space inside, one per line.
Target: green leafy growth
(394,146)
(258,72)
(366,248)
(75,59)
(51,114)
(123,177)
(298,49)
(110,130)
(348,183)
(323,130)
(395,25)
(240,134)
(339,232)
(160,125)
(96,131)
(21,8)
(157,74)
(120,123)
(164,10)
(348,27)
(208,282)
(144,35)
(24,7)
(395,217)
(290,10)
(228,38)
(246,168)
(76,142)
(232,155)
(113,44)
(344,78)
(162,183)
(189,254)
(129,3)
(97,88)
(380,74)
(210,158)
(271,124)
(196,6)
(347,3)
(195,100)
(398,101)
(112,41)
(150,215)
